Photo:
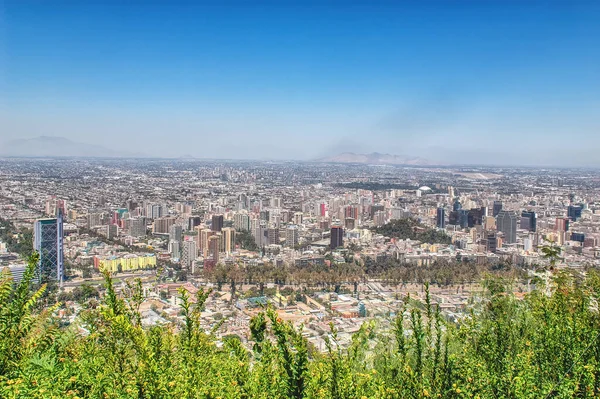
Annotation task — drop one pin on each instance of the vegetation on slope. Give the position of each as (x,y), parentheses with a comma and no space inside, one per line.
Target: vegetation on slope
(538,347)
(409,228)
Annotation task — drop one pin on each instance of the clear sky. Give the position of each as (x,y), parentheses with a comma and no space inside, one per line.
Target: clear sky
(452,81)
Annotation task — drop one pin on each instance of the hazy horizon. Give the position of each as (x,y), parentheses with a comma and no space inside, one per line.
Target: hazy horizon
(452,82)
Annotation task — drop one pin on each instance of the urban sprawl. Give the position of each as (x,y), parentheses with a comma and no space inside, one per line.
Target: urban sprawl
(320,242)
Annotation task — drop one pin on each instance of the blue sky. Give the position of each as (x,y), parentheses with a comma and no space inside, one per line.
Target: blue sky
(451,81)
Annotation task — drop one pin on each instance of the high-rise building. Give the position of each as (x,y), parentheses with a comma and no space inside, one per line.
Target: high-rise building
(562,224)
(528,221)
(490,223)
(228,240)
(137,227)
(507,223)
(175,249)
(154,211)
(213,248)
(441,217)
(491,242)
(94,220)
(162,225)
(189,252)
(574,212)
(291,236)
(203,240)
(193,221)
(579,237)
(241,222)
(298,218)
(337,237)
(217,223)
(375,209)
(48,242)
(175,232)
(111,231)
(497,207)
(273,235)
(379,218)
(475,217)
(463,218)
(275,202)
(456,206)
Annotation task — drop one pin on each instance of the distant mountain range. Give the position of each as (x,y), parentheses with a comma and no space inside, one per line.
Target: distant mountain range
(374,158)
(48,146)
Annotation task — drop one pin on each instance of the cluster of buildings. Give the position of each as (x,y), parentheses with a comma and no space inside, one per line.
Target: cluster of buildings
(129,217)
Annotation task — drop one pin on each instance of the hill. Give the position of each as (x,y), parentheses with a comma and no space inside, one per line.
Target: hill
(51,146)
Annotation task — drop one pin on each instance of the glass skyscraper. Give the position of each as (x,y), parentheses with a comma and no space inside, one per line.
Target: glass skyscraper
(48,242)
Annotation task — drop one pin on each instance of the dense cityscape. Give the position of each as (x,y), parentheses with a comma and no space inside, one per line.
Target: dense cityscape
(299,200)
(322,242)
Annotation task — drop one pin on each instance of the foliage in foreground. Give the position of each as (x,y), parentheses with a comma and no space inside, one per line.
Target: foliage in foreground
(542,346)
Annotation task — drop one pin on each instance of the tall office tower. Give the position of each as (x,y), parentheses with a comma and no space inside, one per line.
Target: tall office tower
(475,217)
(273,235)
(193,221)
(562,224)
(163,225)
(175,232)
(94,220)
(241,222)
(574,212)
(379,218)
(441,218)
(137,227)
(497,207)
(528,221)
(175,249)
(484,212)
(213,248)
(217,223)
(298,218)
(337,237)
(228,240)
(491,242)
(48,242)
(463,218)
(456,206)
(507,223)
(291,236)
(189,253)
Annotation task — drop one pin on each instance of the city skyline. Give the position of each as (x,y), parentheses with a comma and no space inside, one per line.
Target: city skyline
(493,83)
